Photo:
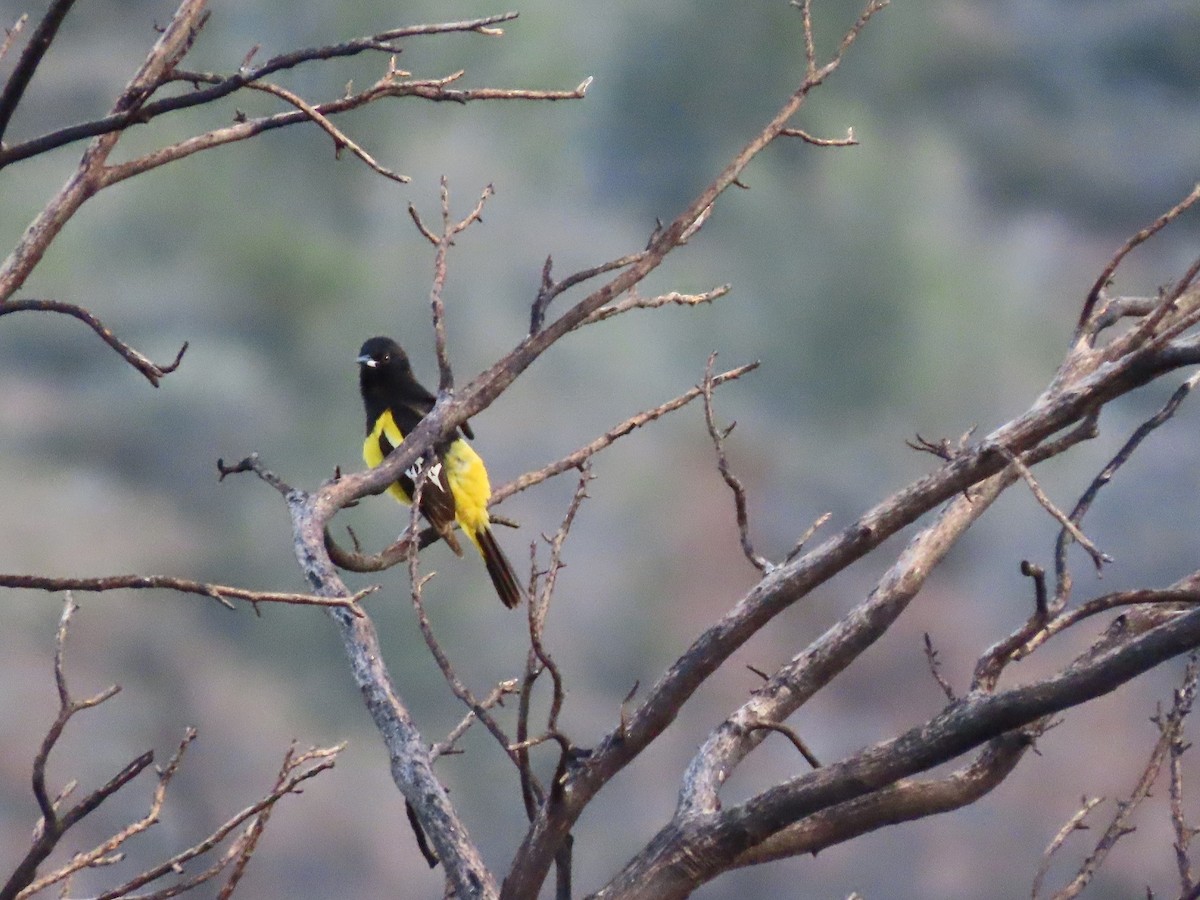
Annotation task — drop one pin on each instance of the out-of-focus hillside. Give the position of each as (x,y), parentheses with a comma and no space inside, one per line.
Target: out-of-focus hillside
(925,281)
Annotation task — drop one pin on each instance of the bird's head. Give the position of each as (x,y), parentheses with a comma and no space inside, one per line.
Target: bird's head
(382,355)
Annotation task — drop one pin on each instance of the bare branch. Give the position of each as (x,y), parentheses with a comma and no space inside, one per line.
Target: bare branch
(902,801)
(457,687)
(219,592)
(935,668)
(791,735)
(1062,589)
(576,459)
(718,436)
(39,42)
(494,698)
(848,141)
(10,34)
(253,464)
(1169,731)
(714,839)
(220,86)
(635,301)
(1098,558)
(1137,239)
(340,139)
(152,371)
(1073,824)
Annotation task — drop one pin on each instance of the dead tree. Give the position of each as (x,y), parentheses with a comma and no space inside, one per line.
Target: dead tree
(1119,344)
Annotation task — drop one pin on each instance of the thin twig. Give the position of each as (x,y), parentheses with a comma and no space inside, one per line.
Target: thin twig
(222,85)
(219,592)
(635,301)
(935,668)
(575,459)
(1119,827)
(550,289)
(442,243)
(1099,558)
(792,736)
(494,698)
(340,138)
(1181,708)
(718,436)
(10,34)
(253,464)
(296,770)
(1073,824)
(1062,588)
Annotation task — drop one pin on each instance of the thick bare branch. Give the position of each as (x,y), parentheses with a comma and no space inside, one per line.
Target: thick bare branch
(693,849)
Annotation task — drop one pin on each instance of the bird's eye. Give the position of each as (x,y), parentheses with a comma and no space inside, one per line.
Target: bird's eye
(386,358)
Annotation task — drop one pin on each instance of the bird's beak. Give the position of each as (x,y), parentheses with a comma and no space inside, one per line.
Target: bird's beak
(365,360)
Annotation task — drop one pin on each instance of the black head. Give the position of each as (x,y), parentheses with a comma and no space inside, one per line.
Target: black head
(383,355)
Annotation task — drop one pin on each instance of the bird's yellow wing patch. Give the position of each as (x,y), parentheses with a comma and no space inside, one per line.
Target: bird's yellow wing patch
(384,432)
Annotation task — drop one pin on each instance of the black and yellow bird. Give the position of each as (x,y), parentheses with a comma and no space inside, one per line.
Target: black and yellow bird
(456,486)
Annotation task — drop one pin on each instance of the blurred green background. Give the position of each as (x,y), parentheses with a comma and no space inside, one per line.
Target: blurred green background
(926,281)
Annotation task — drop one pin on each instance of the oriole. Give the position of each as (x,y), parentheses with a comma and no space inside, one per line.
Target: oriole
(456,487)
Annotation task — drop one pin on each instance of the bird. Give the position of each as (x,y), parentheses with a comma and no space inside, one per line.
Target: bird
(456,487)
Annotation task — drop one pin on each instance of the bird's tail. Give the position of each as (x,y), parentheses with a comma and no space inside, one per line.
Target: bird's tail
(499,568)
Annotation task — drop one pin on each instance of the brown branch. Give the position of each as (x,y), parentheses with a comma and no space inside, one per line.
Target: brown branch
(904,801)
(991,664)
(550,288)
(1099,558)
(1181,708)
(935,668)
(296,770)
(1169,732)
(734,484)
(494,698)
(111,845)
(223,85)
(442,243)
(791,735)
(53,824)
(31,57)
(539,659)
(1063,587)
(10,35)
(219,592)
(1140,237)
(848,141)
(676,861)
(253,464)
(152,371)
(580,456)
(340,139)
(87,179)
(806,673)
(635,301)
(1175,599)
(387,87)
(1072,825)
